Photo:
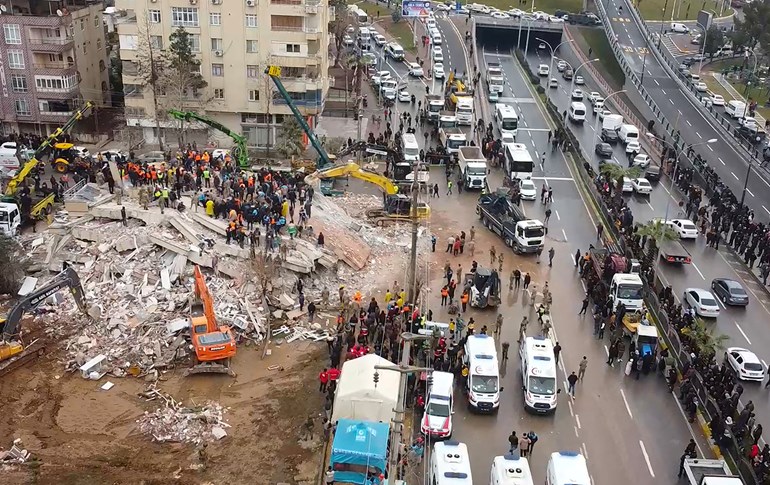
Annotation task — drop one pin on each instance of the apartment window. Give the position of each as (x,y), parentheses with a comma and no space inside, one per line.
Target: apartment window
(156,42)
(55,57)
(195,42)
(184,17)
(292,48)
(216,44)
(22,107)
(96,21)
(215,18)
(251,21)
(253,95)
(217,69)
(15,59)
(82,24)
(19,83)
(154,16)
(12,34)
(251,46)
(252,71)
(98,44)
(287,23)
(219,93)
(49,83)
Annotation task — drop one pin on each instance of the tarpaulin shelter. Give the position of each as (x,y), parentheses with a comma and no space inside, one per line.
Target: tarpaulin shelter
(359,448)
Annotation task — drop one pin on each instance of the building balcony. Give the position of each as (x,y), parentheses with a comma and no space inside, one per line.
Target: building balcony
(51,44)
(287,28)
(60,93)
(312,6)
(54,116)
(312,33)
(53,65)
(293,60)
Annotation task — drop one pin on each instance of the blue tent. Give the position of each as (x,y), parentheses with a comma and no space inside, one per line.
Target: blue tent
(358,445)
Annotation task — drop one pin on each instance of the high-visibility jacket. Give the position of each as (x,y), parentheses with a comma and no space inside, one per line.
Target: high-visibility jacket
(444,292)
(464,298)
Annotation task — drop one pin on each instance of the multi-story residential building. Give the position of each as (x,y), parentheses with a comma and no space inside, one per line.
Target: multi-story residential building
(236,41)
(52,57)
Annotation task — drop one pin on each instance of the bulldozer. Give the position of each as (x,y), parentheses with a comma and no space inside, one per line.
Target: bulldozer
(64,158)
(214,344)
(13,352)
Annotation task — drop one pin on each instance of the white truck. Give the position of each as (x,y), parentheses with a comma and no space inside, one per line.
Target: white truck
(495,79)
(464,110)
(709,472)
(10,219)
(452,139)
(434,104)
(473,167)
(612,122)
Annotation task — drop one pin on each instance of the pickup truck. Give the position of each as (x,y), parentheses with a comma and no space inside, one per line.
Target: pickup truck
(673,252)
(501,216)
(705,472)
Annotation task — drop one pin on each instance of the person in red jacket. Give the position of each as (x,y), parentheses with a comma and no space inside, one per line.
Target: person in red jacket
(334,374)
(323,377)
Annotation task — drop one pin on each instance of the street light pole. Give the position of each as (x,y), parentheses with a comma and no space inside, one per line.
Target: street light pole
(746,183)
(596,125)
(574,75)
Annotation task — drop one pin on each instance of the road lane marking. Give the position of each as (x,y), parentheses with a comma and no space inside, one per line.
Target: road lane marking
(671,101)
(709,147)
(577,420)
(625,401)
(743,333)
(764,363)
(688,122)
(699,135)
(749,192)
(565,235)
(570,409)
(664,92)
(766,210)
(575,428)
(606,351)
(719,302)
(557,214)
(720,159)
(733,174)
(650,206)
(585,450)
(656,82)
(646,458)
(696,269)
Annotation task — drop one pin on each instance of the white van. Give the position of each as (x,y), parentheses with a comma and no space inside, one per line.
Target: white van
(628,133)
(364,35)
(395,51)
(679,28)
(436,38)
(577,111)
(735,109)
(10,219)
(450,464)
(483,382)
(410,147)
(439,407)
(8,159)
(567,468)
(510,470)
(538,375)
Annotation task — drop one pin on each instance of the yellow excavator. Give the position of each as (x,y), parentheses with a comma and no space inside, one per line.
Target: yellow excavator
(13,352)
(396,206)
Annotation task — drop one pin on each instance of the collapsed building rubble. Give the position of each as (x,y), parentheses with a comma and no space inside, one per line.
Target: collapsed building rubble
(17,454)
(174,422)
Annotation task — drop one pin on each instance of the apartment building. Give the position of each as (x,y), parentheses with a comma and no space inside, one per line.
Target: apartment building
(52,57)
(236,40)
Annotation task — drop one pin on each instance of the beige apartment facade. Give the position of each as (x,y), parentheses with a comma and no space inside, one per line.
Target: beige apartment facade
(236,41)
(53,56)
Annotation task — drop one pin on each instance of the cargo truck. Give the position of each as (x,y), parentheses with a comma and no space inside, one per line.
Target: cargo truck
(473,167)
(501,216)
(619,275)
(452,139)
(673,252)
(495,79)
(464,110)
(434,104)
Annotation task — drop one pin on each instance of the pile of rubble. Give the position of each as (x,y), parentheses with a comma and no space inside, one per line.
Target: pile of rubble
(174,422)
(16,455)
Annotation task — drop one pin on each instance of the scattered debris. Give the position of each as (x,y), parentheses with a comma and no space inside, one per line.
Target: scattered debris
(16,454)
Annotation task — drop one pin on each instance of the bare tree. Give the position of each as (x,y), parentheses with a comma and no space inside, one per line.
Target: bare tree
(150,64)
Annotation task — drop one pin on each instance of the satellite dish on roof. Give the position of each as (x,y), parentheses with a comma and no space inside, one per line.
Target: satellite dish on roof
(3,8)
(59,13)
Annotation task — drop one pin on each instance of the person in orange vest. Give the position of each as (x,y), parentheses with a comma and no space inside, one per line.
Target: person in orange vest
(357,297)
(323,377)
(444,295)
(464,300)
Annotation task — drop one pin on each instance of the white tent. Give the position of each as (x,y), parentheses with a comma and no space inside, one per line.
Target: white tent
(358,398)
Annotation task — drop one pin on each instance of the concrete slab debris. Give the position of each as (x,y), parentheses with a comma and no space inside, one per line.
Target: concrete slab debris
(28,286)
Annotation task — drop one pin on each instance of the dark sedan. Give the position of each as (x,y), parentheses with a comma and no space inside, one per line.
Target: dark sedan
(609,136)
(604,150)
(730,292)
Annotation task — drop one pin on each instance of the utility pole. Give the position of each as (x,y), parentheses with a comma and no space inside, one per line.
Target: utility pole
(412,269)
(398,420)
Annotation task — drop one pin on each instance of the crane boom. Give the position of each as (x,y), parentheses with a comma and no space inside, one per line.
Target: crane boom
(275,72)
(240,151)
(13,184)
(67,278)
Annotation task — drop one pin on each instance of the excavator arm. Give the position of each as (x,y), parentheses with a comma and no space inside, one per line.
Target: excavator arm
(355,171)
(275,72)
(14,183)
(240,150)
(203,294)
(66,279)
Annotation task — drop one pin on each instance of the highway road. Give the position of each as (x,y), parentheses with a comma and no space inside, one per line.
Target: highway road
(638,423)
(677,108)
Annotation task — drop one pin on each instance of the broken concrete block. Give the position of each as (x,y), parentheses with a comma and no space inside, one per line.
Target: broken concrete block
(165,279)
(286,301)
(95,312)
(28,286)
(177,325)
(218,432)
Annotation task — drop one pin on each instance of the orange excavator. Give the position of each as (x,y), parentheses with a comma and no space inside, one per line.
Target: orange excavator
(214,345)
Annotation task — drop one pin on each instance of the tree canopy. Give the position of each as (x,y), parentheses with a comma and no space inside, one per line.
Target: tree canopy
(752,29)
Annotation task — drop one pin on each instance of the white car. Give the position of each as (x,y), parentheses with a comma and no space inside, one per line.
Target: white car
(628,185)
(642,160)
(598,106)
(717,100)
(701,87)
(633,146)
(747,121)
(493,96)
(553,83)
(515,12)
(438,54)
(593,96)
(555,19)
(347,40)
(641,185)
(579,81)
(500,15)
(442,6)
(543,70)
(561,66)
(528,190)
(603,113)
(684,227)
(380,77)
(380,40)
(438,71)
(389,89)
(745,364)
(404,96)
(220,152)
(702,301)
(679,28)
(540,15)
(577,94)
(415,70)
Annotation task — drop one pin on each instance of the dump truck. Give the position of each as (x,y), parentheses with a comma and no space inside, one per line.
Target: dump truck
(473,167)
(434,104)
(501,216)
(619,275)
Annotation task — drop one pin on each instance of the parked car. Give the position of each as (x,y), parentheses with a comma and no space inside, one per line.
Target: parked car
(438,70)
(729,291)
(415,70)
(702,301)
(528,190)
(745,363)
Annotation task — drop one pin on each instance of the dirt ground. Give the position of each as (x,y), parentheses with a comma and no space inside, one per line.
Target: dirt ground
(80,434)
